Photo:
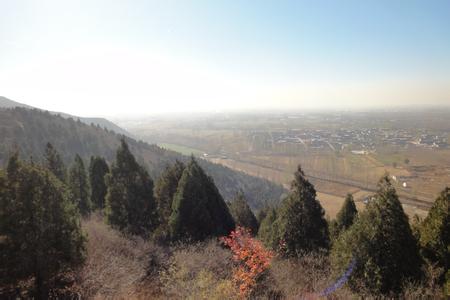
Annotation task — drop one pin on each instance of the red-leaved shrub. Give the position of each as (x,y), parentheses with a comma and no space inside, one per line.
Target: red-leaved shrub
(252,258)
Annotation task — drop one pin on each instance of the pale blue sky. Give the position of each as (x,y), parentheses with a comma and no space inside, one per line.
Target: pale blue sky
(138,57)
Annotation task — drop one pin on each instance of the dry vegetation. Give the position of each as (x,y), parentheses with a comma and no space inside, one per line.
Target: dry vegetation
(119,267)
(115,265)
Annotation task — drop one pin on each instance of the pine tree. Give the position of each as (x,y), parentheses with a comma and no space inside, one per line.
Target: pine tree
(165,189)
(268,231)
(98,168)
(301,224)
(242,214)
(40,227)
(435,232)
(130,205)
(54,163)
(198,209)
(382,243)
(79,185)
(345,217)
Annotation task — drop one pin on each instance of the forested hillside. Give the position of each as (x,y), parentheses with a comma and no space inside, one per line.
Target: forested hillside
(29,130)
(102,122)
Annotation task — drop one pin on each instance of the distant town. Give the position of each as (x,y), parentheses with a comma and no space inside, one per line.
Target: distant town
(360,140)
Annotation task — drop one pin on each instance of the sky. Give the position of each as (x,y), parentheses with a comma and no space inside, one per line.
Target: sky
(135,58)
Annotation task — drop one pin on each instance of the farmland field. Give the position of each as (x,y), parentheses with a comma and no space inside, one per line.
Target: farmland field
(181,149)
(341,153)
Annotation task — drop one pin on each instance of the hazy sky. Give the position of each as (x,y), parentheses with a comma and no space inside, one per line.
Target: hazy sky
(141,57)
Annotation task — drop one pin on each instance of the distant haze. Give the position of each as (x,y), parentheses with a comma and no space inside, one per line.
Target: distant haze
(100,58)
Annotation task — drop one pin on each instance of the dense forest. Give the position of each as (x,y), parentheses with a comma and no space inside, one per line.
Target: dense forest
(28,130)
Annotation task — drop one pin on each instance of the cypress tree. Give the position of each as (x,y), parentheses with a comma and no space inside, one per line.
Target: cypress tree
(242,214)
(262,213)
(53,162)
(435,231)
(345,217)
(268,231)
(198,209)
(130,205)
(165,189)
(300,223)
(98,168)
(382,243)
(79,185)
(40,228)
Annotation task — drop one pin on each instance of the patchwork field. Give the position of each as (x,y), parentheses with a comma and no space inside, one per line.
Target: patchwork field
(341,153)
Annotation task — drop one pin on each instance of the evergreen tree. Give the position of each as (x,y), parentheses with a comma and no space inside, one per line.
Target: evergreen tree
(268,231)
(79,185)
(165,189)
(382,244)
(435,231)
(345,217)
(242,214)
(262,213)
(39,227)
(198,209)
(130,205)
(98,168)
(300,223)
(54,163)
(13,166)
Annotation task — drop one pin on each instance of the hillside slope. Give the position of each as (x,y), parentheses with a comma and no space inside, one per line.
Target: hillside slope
(30,129)
(102,122)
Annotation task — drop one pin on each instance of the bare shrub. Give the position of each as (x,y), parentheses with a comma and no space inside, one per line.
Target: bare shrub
(115,264)
(199,271)
(304,277)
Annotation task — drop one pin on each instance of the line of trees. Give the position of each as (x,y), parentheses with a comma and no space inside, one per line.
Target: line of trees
(380,239)
(41,206)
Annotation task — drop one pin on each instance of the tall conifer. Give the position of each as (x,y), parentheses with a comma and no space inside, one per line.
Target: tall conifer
(300,223)
(98,168)
(382,244)
(79,185)
(435,232)
(242,214)
(53,162)
(198,209)
(165,189)
(344,218)
(130,205)
(39,228)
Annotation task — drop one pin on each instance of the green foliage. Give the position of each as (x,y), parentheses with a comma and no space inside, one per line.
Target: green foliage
(79,185)
(165,189)
(242,214)
(435,231)
(198,209)
(40,232)
(130,205)
(268,232)
(382,243)
(262,213)
(300,223)
(98,168)
(53,162)
(344,218)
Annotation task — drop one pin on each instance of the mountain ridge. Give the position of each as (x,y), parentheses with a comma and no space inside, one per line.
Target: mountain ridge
(30,129)
(102,122)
